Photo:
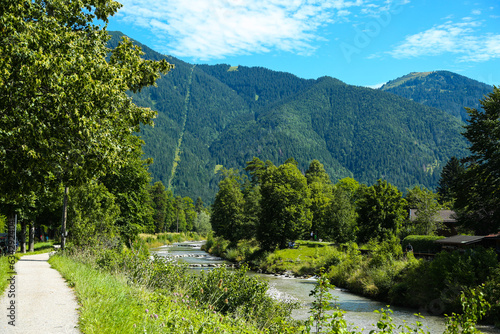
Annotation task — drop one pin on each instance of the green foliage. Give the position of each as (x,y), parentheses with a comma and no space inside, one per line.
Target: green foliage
(381,211)
(3,224)
(449,183)
(68,114)
(423,243)
(227,211)
(341,217)
(202,223)
(238,293)
(92,215)
(285,204)
(138,310)
(474,307)
(321,303)
(316,173)
(160,205)
(437,284)
(427,206)
(478,203)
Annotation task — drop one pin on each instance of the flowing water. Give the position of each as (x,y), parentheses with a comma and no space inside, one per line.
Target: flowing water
(359,310)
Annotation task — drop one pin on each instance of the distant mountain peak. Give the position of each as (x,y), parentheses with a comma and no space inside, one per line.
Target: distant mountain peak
(445,90)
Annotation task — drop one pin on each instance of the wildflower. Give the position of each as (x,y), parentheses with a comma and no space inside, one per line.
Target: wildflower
(201,290)
(147,310)
(156,316)
(220,283)
(225,289)
(226,301)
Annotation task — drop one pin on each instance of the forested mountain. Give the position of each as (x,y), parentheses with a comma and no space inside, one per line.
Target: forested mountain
(222,116)
(444,90)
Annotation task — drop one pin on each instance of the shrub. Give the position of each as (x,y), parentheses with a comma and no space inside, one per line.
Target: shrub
(423,243)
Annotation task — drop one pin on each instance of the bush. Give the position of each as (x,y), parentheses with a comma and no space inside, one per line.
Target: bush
(436,285)
(423,243)
(236,292)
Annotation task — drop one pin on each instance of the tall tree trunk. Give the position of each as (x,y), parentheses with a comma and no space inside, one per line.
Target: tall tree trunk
(11,247)
(64,218)
(32,237)
(23,237)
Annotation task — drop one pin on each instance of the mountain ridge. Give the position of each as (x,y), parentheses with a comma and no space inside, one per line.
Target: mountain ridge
(445,90)
(233,114)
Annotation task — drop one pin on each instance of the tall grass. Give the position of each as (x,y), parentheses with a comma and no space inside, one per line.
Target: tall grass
(168,238)
(110,305)
(170,291)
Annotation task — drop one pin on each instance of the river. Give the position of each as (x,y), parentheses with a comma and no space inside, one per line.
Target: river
(359,310)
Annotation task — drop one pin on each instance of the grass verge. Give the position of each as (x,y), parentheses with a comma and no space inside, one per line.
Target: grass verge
(110,305)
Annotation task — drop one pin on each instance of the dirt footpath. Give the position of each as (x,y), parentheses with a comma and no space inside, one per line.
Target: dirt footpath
(38,300)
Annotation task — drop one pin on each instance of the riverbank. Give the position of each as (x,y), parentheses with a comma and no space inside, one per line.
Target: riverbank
(168,238)
(384,273)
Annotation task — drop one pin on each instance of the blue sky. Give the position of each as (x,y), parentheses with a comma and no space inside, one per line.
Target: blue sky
(361,42)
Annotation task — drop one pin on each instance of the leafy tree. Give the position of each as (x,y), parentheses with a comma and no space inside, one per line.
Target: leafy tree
(381,212)
(341,212)
(285,202)
(321,198)
(478,202)
(256,168)
(427,206)
(317,173)
(92,214)
(202,223)
(227,211)
(129,184)
(65,115)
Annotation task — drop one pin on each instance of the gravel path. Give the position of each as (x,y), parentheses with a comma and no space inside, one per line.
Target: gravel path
(43,303)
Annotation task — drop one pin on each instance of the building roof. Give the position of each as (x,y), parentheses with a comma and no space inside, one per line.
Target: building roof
(460,240)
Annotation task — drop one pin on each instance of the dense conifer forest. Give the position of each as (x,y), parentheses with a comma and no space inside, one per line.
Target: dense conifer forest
(222,116)
(444,90)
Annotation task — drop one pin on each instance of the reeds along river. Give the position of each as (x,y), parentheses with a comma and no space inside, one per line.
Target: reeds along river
(359,310)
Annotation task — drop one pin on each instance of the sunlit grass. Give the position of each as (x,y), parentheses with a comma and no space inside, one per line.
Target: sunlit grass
(109,305)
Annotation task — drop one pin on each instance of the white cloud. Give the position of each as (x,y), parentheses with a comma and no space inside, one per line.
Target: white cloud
(460,38)
(217,28)
(214,29)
